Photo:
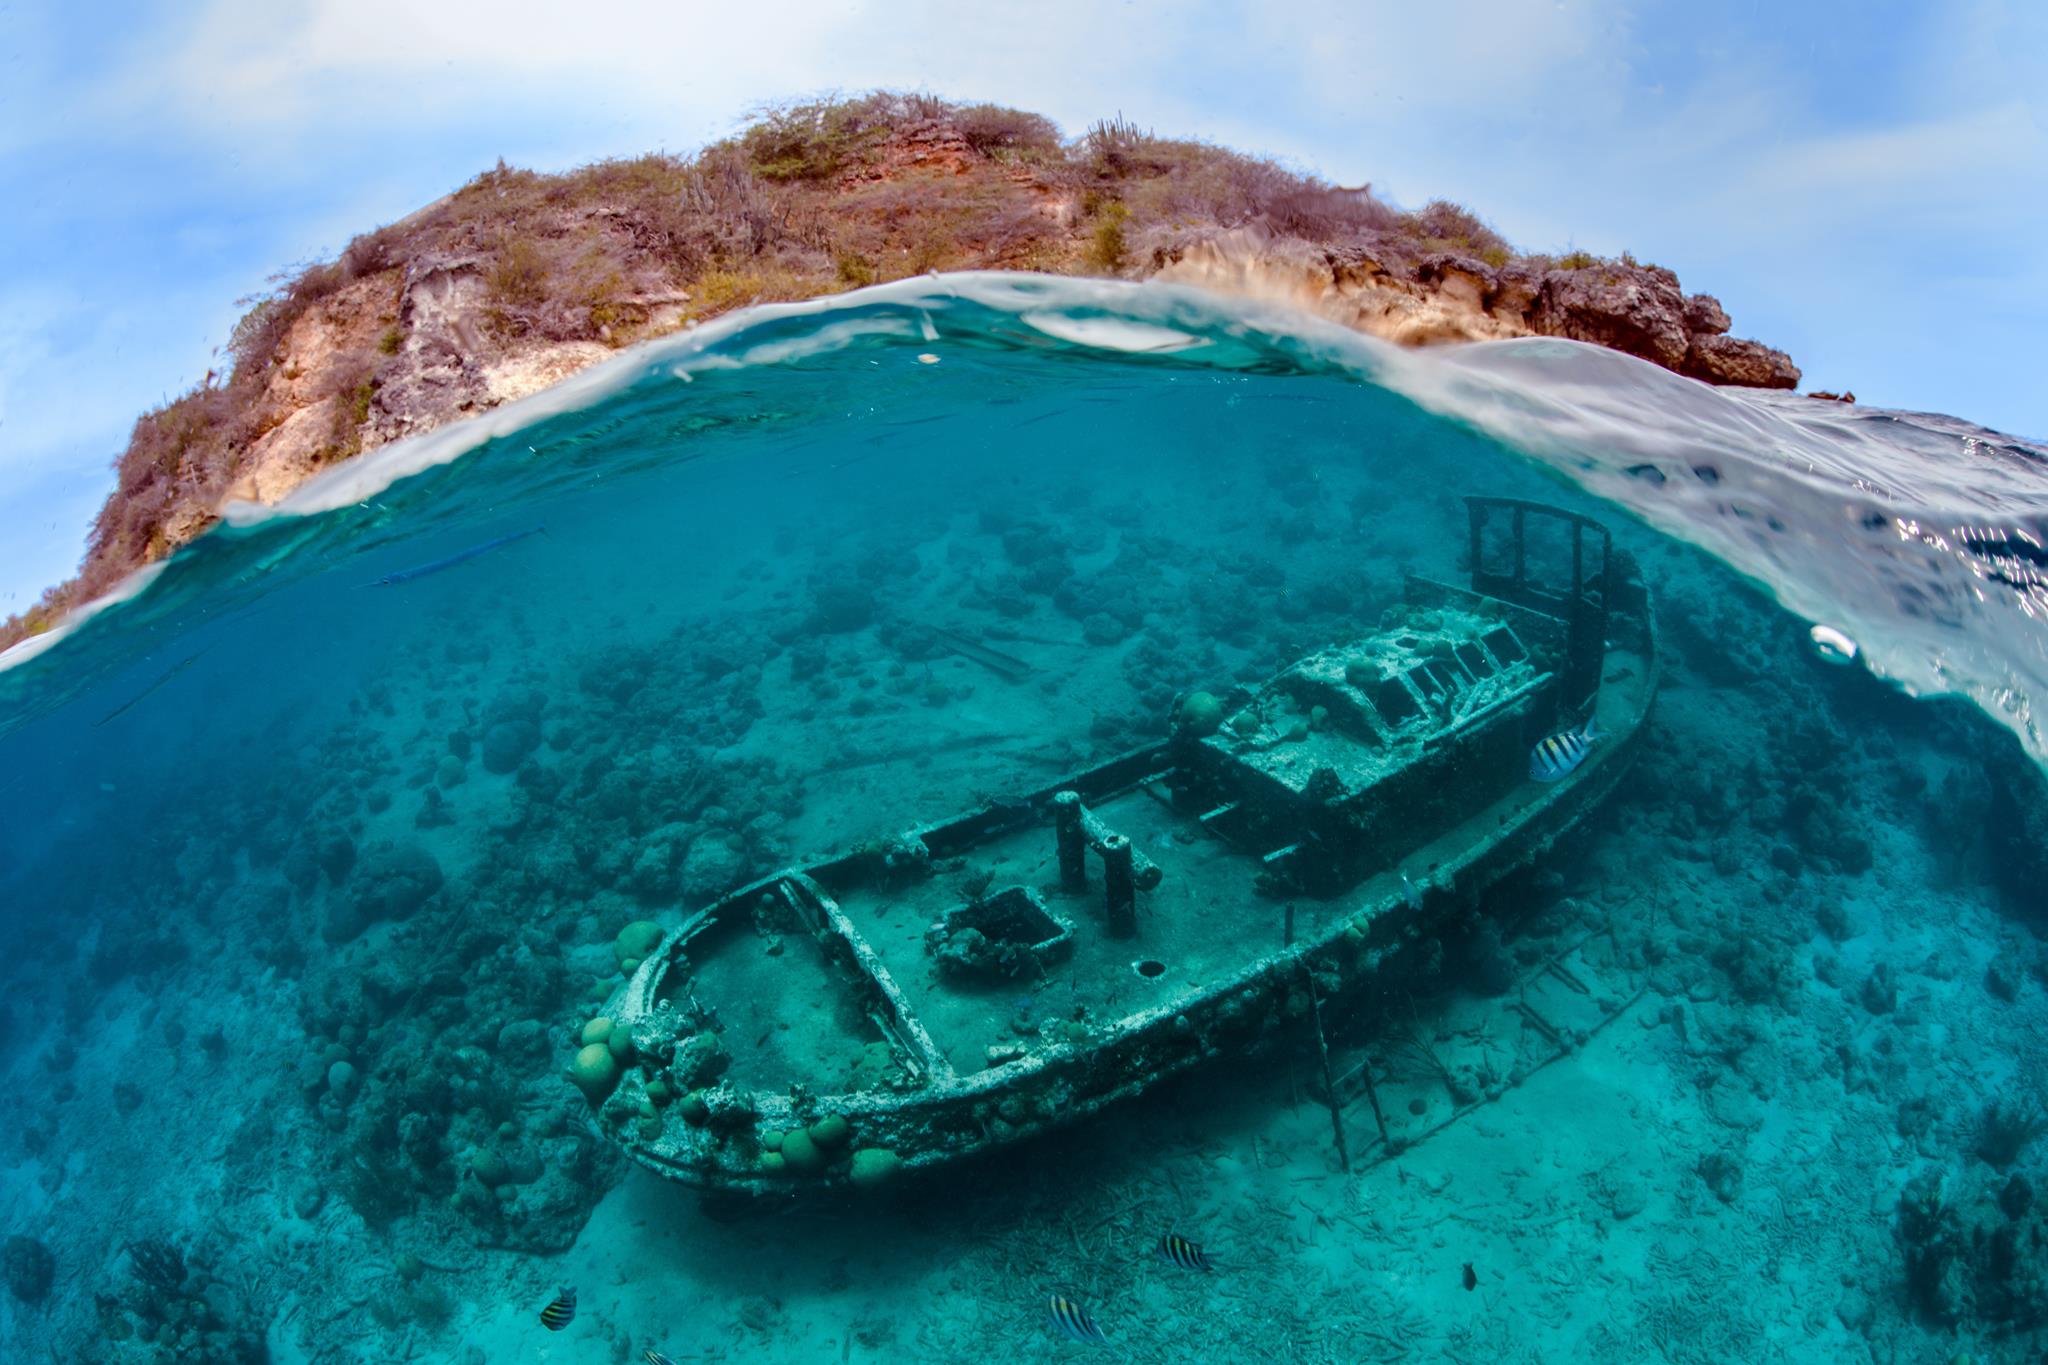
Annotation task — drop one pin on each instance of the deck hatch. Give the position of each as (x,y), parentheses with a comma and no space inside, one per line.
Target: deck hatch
(1007,933)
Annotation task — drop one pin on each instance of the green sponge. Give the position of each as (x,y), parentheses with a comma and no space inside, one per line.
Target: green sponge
(801,1153)
(831,1132)
(490,1168)
(874,1166)
(595,1072)
(1201,714)
(636,941)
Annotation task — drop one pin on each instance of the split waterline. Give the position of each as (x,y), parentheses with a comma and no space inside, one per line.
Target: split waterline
(317,848)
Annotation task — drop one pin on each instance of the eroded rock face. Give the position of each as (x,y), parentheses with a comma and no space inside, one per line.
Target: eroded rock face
(440,311)
(1639,311)
(1729,360)
(1451,297)
(1642,311)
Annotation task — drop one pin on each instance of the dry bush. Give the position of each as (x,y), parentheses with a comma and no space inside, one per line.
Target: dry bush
(261,331)
(47,612)
(1444,226)
(518,278)
(175,453)
(629,180)
(992,130)
(1323,213)
(1108,246)
(351,380)
(817,139)
(729,212)
(978,223)
(716,290)
(1117,147)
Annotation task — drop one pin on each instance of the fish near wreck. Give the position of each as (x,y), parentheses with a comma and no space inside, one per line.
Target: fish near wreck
(1172,899)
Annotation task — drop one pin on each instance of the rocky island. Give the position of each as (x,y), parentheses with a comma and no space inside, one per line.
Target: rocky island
(519,279)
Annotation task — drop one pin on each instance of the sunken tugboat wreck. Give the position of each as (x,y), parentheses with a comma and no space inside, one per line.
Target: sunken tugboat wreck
(971,982)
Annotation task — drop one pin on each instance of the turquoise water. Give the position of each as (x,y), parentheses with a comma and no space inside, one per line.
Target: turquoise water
(313,852)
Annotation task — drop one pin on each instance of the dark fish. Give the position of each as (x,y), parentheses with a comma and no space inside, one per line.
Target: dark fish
(1471,1276)
(1556,755)
(173,671)
(1183,1253)
(561,1312)
(459,557)
(1073,1321)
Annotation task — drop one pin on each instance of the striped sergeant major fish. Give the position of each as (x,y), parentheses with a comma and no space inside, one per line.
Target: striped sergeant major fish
(1181,1252)
(1073,1321)
(654,1357)
(1556,755)
(561,1312)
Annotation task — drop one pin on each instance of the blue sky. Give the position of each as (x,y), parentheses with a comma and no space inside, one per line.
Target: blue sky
(1860,183)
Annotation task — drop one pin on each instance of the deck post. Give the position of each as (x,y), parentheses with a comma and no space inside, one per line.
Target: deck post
(1118,886)
(1073,840)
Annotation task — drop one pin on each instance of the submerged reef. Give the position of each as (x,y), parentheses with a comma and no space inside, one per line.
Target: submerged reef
(28,1268)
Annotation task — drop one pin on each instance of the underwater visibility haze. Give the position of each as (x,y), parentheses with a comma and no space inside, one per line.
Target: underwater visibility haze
(325,852)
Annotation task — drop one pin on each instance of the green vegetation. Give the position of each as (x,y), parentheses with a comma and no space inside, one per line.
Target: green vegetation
(1107,248)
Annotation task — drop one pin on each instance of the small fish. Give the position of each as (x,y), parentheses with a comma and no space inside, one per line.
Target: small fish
(1471,1276)
(1411,894)
(654,1357)
(173,671)
(1073,1321)
(1183,1253)
(1556,755)
(391,580)
(561,1312)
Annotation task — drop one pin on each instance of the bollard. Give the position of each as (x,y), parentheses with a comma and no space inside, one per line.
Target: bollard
(1118,886)
(1073,841)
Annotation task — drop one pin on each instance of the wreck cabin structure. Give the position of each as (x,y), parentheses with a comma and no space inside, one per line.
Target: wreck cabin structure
(962,985)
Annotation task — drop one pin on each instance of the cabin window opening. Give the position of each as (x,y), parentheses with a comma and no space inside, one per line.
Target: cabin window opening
(1395,702)
(1504,645)
(1443,679)
(1548,560)
(1497,547)
(1149,968)
(1474,659)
